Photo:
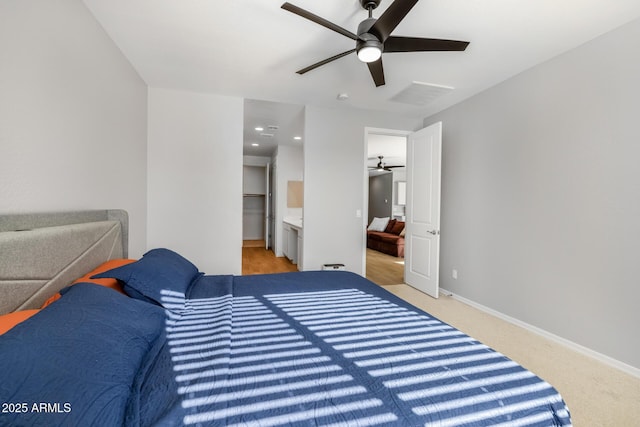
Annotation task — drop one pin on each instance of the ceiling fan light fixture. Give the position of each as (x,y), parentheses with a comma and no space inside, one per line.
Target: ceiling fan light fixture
(369,50)
(369,54)
(373,36)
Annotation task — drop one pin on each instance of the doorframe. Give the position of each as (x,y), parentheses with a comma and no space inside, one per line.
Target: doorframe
(365,183)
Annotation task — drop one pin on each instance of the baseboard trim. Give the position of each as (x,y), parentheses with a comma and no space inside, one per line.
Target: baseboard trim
(607,360)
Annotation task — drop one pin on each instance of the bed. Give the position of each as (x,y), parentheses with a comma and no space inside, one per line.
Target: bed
(155,342)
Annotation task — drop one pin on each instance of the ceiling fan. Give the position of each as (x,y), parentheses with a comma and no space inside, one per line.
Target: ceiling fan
(374,36)
(381,166)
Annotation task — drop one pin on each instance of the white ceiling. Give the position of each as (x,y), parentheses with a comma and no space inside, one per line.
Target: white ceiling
(392,148)
(252,48)
(288,118)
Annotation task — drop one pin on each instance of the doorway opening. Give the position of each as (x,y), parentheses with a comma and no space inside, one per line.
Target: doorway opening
(385,199)
(272,156)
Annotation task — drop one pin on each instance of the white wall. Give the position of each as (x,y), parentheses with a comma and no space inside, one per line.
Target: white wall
(72,116)
(195,178)
(541,196)
(334,183)
(256,160)
(289,165)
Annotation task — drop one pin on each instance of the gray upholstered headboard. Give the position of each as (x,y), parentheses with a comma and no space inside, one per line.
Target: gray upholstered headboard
(42,253)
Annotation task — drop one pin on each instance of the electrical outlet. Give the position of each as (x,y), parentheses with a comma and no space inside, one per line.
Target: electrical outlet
(454,273)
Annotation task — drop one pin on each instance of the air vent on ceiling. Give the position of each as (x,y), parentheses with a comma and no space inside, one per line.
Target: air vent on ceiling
(420,94)
(273,127)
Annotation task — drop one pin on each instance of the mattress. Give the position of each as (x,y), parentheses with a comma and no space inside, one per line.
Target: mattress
(302,349)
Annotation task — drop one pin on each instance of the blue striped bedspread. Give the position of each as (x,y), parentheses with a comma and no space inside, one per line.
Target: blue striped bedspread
(328,349)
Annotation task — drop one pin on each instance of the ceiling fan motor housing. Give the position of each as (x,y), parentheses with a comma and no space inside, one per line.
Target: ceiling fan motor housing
(365,39)
(366,4)
(365,26)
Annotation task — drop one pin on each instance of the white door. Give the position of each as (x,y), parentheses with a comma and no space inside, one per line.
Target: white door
(422,234)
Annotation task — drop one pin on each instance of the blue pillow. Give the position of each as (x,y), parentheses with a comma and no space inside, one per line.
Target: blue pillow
(161,277)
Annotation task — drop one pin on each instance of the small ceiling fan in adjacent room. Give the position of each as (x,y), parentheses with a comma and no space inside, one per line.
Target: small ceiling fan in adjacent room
(381,166)
(374,36)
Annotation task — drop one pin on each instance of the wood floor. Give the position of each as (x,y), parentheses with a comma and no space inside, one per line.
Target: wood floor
(381,268)
(258,260)
(384,269)
(253,244)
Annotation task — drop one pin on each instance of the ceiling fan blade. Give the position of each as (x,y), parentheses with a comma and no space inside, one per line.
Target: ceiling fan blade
(325,61)
(377,72)
(416,44)
(318,20)
(390,19)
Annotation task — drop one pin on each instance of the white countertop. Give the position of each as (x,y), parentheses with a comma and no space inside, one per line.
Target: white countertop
(293,221)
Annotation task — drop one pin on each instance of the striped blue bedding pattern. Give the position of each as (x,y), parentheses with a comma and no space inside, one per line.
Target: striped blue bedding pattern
(255,362)
(332,349)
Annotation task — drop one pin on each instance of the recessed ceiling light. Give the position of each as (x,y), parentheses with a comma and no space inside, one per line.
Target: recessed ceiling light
(342,96)
(297,138)
(255,144)
(259,128)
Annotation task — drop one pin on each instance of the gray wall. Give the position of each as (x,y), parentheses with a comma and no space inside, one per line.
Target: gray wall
(73,116)
(380,195)
(541,196)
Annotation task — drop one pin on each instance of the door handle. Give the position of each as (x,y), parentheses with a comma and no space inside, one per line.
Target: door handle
(434,232)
